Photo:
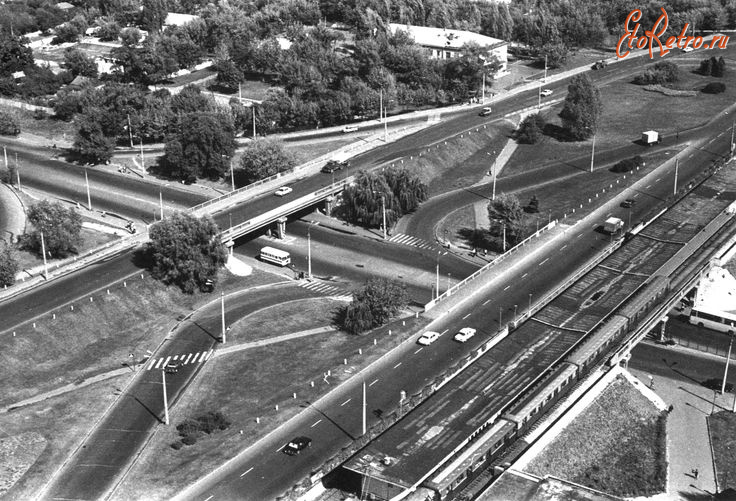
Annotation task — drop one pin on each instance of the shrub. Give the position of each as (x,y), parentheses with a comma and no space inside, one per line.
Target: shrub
(662,73)
(8,125)
(714,88)
(530,129)
(176,445)
(189,440)
(627,164)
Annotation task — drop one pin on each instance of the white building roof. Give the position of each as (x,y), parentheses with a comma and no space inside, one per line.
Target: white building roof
(444,38)
(717,293)
(176,19)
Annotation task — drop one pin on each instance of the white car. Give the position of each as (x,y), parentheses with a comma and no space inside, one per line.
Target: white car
(464,334)
(688,49)
(428,338)
(349,128)
(283,191)
(546,92)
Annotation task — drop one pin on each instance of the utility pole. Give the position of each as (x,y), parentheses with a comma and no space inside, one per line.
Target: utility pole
(45,264)
(728,360)
(380,105)
(365,427)
(383,208)
(545,68)
(253,109)
(232,175)
(437,277)
(309,252)
(483,89)
(161,203)
(17,173)
(130,132)
(89,200)
(730,149)
(504,238)
(5,154)
(677,167)
(166,402)
(143,160)
(539,96)
(222,315)
(500,316)
(493,171)
(592,154)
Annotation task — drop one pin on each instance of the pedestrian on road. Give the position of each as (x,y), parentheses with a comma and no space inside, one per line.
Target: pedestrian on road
(696,473)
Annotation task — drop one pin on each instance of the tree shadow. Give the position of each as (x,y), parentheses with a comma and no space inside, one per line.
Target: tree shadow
(557,133)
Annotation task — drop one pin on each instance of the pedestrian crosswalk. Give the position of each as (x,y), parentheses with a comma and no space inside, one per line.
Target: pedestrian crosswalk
(326,289)
(189,358)
(404,239)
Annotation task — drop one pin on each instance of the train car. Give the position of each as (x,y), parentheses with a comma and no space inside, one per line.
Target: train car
(596,344)
(532,406)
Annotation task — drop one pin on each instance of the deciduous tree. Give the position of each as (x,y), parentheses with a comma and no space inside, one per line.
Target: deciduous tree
(186,251)
(582,109)
(262,158)
(8,264)
(506,212)
(377,302)
(60,228)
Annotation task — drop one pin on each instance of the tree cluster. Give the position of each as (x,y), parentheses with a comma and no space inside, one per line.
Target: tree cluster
(506,216)
(60,228)
(260,159)
(713,67)
(582,109)
(191,429)
(8,265)
(186,251)
(377,302)
(662,73)
(8,124)
(394,191)
(531,129)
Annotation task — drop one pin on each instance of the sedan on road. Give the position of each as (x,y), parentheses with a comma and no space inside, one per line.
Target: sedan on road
(464,334)
(428,338)
(296,445)
(283,191)
(546,92)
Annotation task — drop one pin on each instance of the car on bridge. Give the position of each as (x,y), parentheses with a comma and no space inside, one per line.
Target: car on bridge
(283,191)
(296,445)
(334,165)
(464,334)
(349,128)
(428,338)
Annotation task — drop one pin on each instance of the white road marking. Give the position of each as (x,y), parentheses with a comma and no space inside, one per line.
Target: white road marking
(507,287)
(186,360)
(420,349)
(540,264)
(242,475)
(208,499)
(376,380)
(657,179)
(525,274)
(563,247)
(649,186)
(345,402)
(158,363)
(487,301)
(466,316)
(316,423)
(167,361)
(579,236)
(397,365)
(443,332)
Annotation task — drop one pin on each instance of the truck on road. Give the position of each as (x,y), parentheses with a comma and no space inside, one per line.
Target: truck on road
(650,137)
(613,225)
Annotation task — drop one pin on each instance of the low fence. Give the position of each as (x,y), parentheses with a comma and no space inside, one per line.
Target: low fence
(452,290)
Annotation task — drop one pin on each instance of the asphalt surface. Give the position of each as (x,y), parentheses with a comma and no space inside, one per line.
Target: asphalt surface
(95,466)
(261,473)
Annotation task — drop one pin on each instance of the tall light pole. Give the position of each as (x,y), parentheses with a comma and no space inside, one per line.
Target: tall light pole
(17,173)
(5,154)
(86,182)
(380,105)
(45,264)
(728,360)
(592,154)
(222,315)
(449,275)
(500,316)
(232,176)
(730,149)
(365,427)
(504,237)
(253,109)
(143,160)
(161,203)
(515,308)
(383,210)
(545,68)
(493,172)
(677,168)
(539,96)
(483,89)
(309,249)
(166,402)
(530,303)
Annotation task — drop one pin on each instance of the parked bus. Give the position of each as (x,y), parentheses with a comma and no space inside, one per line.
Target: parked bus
(276,256)
(718,323)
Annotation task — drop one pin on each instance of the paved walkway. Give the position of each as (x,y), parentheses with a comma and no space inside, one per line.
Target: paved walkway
(688,442)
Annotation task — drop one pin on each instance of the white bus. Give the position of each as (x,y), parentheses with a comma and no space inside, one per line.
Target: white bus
(276,256)
(721,323)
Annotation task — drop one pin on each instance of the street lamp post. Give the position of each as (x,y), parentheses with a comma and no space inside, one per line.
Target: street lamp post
(515,308)
(383,210)
(728,360)
(166,402)
(45,264)
(222,315)
(500,316)
(677,168)
(161,203)
(530,303)
(592,154)
(86,182)
(309,248)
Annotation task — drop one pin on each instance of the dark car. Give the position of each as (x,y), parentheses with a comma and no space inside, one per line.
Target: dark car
(599,65)
(296,445)
(334,165)
(629,202)
(173,367)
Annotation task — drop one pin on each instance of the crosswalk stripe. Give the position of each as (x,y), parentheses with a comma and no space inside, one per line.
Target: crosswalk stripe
(160,360)
(186,361)
(167,361)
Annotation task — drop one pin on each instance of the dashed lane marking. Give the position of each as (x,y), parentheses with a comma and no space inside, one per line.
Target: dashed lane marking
(242,475)
(374,382)
(397,365)
(316,423)
(345,402)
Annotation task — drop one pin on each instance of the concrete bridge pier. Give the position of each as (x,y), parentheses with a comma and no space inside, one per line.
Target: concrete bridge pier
(329,205)
(662,328)
(281,227)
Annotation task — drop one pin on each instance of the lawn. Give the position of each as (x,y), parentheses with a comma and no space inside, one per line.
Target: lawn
(628,110)
(246,385)
(617,445)
(722,429)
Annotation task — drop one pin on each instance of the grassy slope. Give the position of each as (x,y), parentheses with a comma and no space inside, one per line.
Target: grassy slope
(619,444)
